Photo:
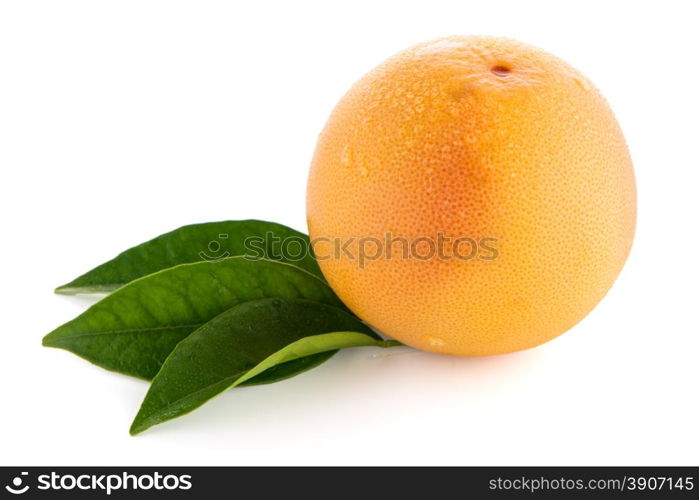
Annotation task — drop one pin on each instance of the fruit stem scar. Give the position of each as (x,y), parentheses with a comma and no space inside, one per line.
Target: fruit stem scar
(500,70)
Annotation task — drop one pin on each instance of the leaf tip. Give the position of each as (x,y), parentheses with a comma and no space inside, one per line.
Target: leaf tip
(47,341)
(141,422)
(138,425)
(64,290)
(134,430)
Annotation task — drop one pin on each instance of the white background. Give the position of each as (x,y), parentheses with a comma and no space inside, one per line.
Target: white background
(123,120)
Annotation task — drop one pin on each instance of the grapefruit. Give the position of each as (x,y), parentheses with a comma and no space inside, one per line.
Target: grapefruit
(504,152)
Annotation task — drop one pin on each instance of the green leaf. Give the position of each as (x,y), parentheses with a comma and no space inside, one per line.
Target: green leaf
(195,243)
(134,329)
(242,343)
(289,369)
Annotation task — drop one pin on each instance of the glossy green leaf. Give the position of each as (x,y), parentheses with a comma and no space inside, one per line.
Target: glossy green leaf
(195,243)
(289,369)
(242,343)
(134,329)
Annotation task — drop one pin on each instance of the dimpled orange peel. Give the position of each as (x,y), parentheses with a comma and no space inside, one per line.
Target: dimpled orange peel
(491,141)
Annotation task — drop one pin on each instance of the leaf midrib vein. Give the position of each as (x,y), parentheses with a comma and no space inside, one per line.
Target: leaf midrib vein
(130,330)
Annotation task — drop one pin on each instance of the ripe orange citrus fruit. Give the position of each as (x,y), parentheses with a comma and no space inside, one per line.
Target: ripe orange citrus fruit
(502,150)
